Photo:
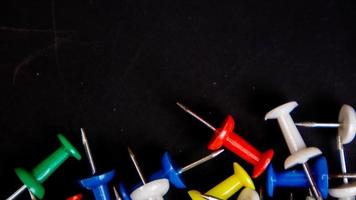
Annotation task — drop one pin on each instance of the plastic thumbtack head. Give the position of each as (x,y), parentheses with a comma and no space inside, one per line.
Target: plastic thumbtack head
(248,194)
(226,137)
(33,180)
(229,186)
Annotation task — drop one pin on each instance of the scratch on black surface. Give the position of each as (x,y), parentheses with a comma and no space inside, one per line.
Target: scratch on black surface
(33,56)
(25,30)
(133,63)
(54,28)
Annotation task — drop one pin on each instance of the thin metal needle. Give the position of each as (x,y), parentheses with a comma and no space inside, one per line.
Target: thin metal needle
(314,124)
(342,157)
(15,194)
(311,180)
(201,161)
(132,156)
(196,116)
(31,195)
(347,175)
(207,197)
(117,196)
(87,151)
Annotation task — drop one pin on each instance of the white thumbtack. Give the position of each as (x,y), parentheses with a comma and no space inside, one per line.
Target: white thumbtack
(346,126)
(346,133)
(300,154)
(154,190)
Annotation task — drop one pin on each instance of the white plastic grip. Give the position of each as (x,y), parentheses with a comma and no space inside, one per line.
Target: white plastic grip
(301,156)
(347,120)
(154,190)
(343,191)
(248,194)
(290,132)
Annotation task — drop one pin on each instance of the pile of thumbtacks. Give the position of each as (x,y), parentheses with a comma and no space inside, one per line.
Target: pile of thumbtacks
(315,177)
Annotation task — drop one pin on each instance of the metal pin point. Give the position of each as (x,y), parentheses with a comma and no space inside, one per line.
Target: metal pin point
(346,126)
(200,161)
(138,169)
(87,151)
(196,116)
(152,190)
(31,195)
(98,183)
(225,136)
(117,196)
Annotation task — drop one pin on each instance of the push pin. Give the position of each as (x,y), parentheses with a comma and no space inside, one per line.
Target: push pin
(300,154)
(154,190)
(98,184)
(248,194)
(346,191)
(75,197)
(225,136)
(170,172)
(346,133)
(33,180)
(228,187)
(297,178)
(346,126)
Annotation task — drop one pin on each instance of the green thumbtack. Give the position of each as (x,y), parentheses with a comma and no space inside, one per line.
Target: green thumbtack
(33,180)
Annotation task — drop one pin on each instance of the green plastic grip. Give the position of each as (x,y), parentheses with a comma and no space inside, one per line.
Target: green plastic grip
(43,170)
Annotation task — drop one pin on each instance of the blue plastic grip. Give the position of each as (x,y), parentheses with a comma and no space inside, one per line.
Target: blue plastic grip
(99,185)
(297,178)
(123,192)
(168,171)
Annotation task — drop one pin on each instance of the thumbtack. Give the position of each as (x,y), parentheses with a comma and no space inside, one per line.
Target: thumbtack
(33,180)
(75,197)
(300,154)
(98,184)
(154,190)
(248,194)
(225,136)
(297,178)
(346,133)
(346,126)
(229,186)
(170,172)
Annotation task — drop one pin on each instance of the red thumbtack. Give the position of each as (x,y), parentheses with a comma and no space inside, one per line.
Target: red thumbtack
(225,136)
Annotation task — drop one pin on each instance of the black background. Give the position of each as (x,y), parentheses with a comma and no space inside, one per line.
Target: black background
(121,66)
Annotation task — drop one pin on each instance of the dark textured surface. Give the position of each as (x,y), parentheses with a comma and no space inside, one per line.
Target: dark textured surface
(123,65)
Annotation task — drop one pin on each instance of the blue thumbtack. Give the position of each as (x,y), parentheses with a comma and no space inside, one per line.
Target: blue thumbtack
(297,178)
(98,184)
(170,172)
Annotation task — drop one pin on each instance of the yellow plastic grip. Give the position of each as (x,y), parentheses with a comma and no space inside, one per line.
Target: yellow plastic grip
(229,186)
